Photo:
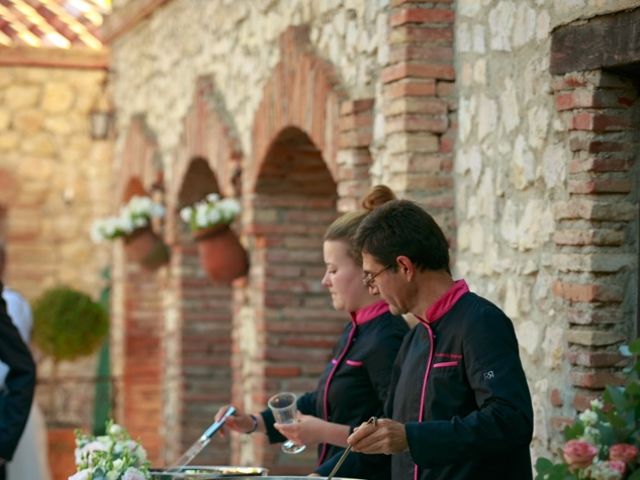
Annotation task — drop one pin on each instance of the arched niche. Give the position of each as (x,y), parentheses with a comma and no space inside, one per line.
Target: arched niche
(138,319)
(294,202)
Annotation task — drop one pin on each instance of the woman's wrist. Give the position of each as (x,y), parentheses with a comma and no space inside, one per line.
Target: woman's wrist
(254,427)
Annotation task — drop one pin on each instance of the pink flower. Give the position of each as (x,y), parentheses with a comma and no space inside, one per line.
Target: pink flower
(578,453)
(617,466)
(623,452)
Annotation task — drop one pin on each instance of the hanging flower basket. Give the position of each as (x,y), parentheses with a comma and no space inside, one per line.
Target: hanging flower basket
(222,255)
(133,224)
(145,247)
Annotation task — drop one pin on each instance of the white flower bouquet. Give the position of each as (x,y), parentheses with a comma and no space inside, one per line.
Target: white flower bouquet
(136,214)
(210,212)
(113,456)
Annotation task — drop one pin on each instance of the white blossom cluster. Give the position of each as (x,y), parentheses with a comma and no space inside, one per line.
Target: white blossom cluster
(113,456)
(210,212)
(137,213)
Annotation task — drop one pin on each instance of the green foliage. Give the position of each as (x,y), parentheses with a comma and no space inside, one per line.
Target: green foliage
(68,324)
(614,420)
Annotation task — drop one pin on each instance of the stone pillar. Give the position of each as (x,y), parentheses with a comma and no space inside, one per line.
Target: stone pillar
(597,230)
(354,159)
(420,104)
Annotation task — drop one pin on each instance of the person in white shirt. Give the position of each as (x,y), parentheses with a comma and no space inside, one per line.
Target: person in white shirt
(30,460)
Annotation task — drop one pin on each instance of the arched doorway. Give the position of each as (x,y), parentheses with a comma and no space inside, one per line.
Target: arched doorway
(293,203)
(199,341)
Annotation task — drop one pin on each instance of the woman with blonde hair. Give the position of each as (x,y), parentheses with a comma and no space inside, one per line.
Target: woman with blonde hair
(353,386)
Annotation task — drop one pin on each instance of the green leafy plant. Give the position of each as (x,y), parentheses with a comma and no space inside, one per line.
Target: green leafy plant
(602,443)
(68,324)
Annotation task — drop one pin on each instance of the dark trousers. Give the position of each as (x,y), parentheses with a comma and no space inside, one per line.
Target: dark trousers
(3,474)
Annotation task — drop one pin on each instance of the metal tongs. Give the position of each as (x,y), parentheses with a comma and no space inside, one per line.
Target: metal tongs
(372,420)
(202,442)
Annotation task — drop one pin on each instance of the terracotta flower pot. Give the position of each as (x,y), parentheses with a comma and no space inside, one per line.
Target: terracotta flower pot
(221,254)
(145,247)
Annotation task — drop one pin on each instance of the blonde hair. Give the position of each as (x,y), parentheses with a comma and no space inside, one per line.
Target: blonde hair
(344,227)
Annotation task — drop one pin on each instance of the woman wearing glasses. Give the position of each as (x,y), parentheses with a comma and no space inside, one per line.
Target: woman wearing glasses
(353,386)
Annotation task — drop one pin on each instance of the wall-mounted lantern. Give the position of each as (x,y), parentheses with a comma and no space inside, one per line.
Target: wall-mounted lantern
(101,115)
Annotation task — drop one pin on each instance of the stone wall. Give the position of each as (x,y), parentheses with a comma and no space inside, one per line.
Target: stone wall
(514,165)
(54,181)
(450,103)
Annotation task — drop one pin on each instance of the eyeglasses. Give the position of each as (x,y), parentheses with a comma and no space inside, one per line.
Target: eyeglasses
(368,278)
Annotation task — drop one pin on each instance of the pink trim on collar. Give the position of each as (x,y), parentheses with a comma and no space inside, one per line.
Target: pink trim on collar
(446,301)
(364,314)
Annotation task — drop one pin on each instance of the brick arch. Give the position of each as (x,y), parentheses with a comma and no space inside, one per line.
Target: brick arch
(208,134)
(199,347)
(302,92)
(293,203)
(139,167)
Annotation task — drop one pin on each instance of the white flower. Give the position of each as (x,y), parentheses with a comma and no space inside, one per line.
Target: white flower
(591,435)
(81,475)
(597,404)
(115,430)
(137,213)
(185,214)
(133,474)
(210,212)
(588,417)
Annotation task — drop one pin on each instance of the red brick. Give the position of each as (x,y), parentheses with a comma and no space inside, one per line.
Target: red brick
(282,372)
(589,292)
(355,157)
(416,123)
(416,105)
(599,186)
(353,122)
(410,88)
(355,138)
(421,15)
(598,164)
(592,208)
(582,400)
(556,398)
(446,89)
(596,379)
(570,81)
(596,359)
(422,35)
(416,70)
(447,143)
(589,237)
(581,98)
(596,146)
(411,52)
(349,107)
(599,122)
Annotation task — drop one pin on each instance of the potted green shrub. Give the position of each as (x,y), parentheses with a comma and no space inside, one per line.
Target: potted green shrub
(68,324)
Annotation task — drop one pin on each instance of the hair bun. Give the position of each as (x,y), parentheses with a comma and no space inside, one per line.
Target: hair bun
(377,196)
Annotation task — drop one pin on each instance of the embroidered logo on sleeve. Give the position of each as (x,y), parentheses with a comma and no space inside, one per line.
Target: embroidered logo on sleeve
(488,375)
